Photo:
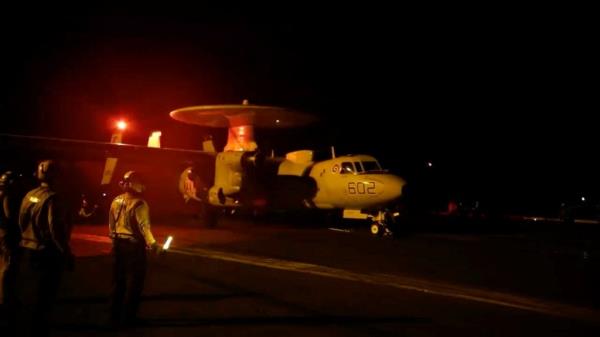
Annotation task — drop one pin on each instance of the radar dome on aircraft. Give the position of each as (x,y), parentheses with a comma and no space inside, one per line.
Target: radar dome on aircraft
(241,120)
(235,114)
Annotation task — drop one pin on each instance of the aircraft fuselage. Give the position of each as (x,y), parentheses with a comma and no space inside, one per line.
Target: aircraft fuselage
(354,182)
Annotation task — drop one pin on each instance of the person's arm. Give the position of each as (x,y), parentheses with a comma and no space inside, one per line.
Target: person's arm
(83,214)
(59,225)
(111,220)
(142,216)
(6,208)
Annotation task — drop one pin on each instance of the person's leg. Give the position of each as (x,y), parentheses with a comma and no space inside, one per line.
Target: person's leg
(5,253)
(10,291)
(28,284)
(136,285)
(51,275)
(4,265)
(117,294)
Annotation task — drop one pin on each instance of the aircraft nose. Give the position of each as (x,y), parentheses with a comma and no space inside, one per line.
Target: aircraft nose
(393,186)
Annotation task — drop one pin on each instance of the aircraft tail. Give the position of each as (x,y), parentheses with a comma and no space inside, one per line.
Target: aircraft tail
(208,145)
(111,163)
(154,139)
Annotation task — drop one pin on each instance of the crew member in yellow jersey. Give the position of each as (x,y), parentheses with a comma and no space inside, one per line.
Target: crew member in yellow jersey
(129,227)
(45,235)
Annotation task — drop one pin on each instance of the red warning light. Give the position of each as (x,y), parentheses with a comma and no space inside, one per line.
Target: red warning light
(121,125)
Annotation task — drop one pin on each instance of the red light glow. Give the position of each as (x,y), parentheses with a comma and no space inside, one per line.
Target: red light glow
(121,125)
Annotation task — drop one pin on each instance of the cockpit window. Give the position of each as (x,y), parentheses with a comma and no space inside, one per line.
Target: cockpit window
(347,167)
(358,167)
(371,166)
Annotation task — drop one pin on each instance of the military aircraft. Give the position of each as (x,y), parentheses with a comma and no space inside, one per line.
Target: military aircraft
(240,176)
(245,177)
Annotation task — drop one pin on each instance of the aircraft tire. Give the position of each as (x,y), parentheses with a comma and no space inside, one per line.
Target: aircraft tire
(377,229)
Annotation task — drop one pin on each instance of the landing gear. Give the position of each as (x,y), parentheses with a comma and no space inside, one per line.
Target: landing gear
(380,229)
(382,223)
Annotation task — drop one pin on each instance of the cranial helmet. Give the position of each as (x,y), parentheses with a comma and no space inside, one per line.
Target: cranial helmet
(47,171)
(192,173)
(6,179)
(132,182)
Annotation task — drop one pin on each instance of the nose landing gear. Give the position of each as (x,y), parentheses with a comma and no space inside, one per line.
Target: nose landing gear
(380,229)
(382,223)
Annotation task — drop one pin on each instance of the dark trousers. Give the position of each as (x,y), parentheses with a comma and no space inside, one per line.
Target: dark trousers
(129,272)
(9,268)
(39,276)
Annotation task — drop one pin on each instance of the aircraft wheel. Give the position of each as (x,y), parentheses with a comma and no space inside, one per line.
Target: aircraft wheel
(376,229)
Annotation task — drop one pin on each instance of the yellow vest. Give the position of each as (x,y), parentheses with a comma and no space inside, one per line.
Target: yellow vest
(35,219)
(129,218)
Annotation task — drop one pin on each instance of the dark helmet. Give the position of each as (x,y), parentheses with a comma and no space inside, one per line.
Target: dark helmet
(7,179)
(132,182)
(192,173)
(47,171)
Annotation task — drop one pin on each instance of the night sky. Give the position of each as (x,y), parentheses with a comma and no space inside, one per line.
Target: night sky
(499,99)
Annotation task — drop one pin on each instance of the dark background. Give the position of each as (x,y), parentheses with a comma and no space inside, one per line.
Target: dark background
(501,100)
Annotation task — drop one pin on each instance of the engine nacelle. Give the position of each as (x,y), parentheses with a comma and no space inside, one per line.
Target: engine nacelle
(296,163)
(229,170)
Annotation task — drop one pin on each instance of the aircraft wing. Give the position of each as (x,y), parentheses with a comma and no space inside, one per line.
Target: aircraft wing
(15,147)
(95,167)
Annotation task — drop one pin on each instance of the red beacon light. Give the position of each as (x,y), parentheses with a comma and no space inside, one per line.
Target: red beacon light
(121,125)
